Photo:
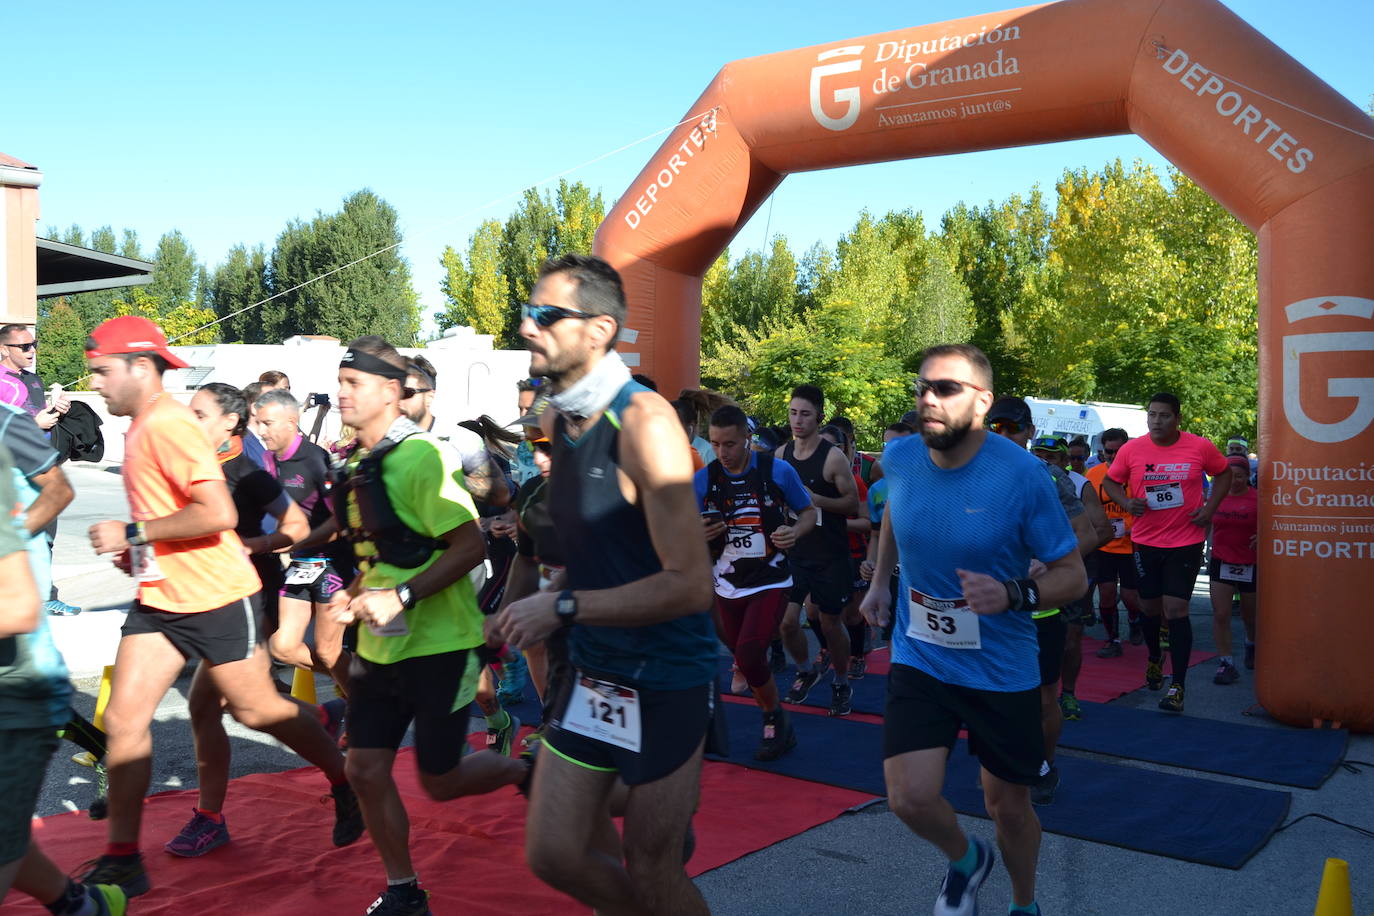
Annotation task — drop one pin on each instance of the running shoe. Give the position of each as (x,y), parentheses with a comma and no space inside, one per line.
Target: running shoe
(1249,656)
(1137,634)
(1173,700)
(56,608)
(501,739)
(1042,793)
(1068,705)
(124,872)
(841,697)
(401,901)
(739,684)
(959,892)
(108,899)
(858,667)
(777,658)
(1226,674)
(778,736)
(1110,649)
(200,835)
(532,739)
(802,686)
(1154,675)
(348,817)
(515,674)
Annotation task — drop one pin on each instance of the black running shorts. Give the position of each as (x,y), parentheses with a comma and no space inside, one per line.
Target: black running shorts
(1115,567)
(1003,728)
(320,590)
(24,756)
(672,726)
(1051,632)
(433,691)
(829,585)
(1170,571)
(1242,578)
(226,634)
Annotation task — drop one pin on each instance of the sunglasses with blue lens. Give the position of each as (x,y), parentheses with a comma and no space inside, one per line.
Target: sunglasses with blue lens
(549,315)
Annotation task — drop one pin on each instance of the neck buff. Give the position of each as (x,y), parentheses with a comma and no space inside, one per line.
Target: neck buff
(231,449)
(595,390)
(366,362)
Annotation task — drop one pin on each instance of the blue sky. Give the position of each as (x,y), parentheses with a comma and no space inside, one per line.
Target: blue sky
(227,121)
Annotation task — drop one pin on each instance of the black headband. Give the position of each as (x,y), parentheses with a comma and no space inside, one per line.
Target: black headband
(366,362)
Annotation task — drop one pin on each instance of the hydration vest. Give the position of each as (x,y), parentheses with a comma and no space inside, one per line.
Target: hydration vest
(396,542)
(759,482)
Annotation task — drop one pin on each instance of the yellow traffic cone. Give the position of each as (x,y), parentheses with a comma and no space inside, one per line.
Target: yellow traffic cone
(1334,897)
(303,686)
(102,699)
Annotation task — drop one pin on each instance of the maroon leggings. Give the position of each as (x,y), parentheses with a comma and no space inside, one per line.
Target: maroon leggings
(749,625)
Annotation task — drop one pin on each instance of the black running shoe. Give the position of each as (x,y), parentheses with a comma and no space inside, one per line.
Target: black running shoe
(125,872)
(348,817)
(802,686)
(841,696)
(401,901)
(1110,649)
(1173,700)
(858,667)
(778,736)
(1042,793)
(1226,674)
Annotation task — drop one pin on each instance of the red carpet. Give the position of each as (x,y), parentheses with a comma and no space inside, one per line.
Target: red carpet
(469,852)
(1105,679)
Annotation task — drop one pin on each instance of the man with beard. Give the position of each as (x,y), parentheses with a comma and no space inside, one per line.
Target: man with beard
(636,603)
(967,512)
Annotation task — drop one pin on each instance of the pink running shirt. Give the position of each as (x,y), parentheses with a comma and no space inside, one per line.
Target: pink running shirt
(1169,479)
(1236,521)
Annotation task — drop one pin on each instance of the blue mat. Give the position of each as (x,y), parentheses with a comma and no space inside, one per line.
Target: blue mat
(1181,817)
(1300,757)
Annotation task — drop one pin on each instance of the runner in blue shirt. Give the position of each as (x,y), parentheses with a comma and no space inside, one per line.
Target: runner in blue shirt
(967,511)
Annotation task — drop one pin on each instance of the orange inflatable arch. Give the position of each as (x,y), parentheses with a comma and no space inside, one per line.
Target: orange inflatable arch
(1286,154)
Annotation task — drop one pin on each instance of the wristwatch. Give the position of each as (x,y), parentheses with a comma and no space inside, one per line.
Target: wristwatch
(133,533)
(566,608)
(407,596)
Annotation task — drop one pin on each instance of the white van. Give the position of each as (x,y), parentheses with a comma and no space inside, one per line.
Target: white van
(1071,419)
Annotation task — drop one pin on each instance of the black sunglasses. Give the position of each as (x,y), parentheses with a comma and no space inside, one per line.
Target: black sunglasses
(943,387)
(549,315)
(26,347)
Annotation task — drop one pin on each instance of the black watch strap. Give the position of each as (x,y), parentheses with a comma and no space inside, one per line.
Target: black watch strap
(566,607)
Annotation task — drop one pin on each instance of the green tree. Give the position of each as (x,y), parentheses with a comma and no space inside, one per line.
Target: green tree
(62,357)
(183,325)
(826,348)
(241,283)
(476,289)
(361,285)
(174,270)
(758,291)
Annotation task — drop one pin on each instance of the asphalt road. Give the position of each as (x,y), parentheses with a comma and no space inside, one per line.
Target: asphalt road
(866,862)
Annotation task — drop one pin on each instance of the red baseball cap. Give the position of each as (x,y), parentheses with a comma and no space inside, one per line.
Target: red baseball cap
(131,334)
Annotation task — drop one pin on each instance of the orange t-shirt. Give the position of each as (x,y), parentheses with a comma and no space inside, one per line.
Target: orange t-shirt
(1121,519)
(165,454)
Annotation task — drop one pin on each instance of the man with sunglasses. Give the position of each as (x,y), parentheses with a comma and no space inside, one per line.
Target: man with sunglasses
(484,480)
(966,514)
(1165,471)
(636,608)
(1010,417)
(1078,613)
(22,388)
(1115,566)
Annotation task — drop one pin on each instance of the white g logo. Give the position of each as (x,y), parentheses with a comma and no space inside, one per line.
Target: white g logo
(1361,389)
(849,95)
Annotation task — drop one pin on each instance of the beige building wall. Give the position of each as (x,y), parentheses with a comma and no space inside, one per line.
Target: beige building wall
(19,183)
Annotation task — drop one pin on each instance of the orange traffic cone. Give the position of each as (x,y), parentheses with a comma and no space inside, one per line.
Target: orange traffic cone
(303,686)
(1334,897)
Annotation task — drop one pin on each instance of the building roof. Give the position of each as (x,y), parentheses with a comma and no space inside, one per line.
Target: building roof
(15,163)
(65,269)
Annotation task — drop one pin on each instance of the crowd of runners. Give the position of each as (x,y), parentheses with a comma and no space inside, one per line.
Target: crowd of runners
(603,546)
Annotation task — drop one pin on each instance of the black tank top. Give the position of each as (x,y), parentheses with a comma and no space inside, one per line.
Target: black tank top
(827,542)
(606,543)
